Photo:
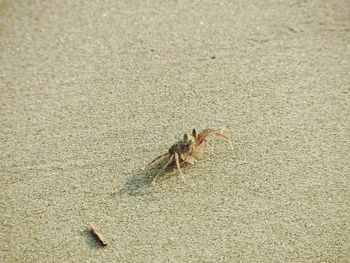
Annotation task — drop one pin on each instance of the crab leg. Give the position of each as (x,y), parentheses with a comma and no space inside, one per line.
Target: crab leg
(178,165)
(201,137)
(205,147)
(154,160)
(225,137)
(171,159)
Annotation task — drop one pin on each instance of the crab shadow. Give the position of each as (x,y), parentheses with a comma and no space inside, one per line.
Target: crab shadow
(141,182)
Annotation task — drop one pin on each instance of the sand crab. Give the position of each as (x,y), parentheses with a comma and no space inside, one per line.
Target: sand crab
(183,151)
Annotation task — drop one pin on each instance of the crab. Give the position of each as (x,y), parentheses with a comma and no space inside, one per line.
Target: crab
(184,151)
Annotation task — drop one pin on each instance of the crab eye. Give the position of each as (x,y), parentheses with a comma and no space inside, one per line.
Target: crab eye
(185,137)
(194,133)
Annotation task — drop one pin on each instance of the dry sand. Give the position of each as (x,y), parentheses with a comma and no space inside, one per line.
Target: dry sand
(91,91)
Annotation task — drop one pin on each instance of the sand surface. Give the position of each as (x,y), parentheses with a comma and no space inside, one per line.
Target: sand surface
(91,91)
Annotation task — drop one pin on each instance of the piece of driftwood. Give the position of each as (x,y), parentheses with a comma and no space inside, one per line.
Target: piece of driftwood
(97,234)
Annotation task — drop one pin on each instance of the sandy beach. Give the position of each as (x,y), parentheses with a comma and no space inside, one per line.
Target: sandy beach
(92,91)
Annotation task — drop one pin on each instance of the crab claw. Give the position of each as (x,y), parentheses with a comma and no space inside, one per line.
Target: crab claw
(188,158)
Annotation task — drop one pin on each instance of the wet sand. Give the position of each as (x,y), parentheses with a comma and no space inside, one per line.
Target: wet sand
(91,92)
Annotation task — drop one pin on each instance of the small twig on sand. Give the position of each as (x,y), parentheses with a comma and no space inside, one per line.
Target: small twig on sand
(98,235)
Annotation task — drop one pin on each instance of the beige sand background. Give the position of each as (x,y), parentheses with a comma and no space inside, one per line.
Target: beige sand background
(91,91)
